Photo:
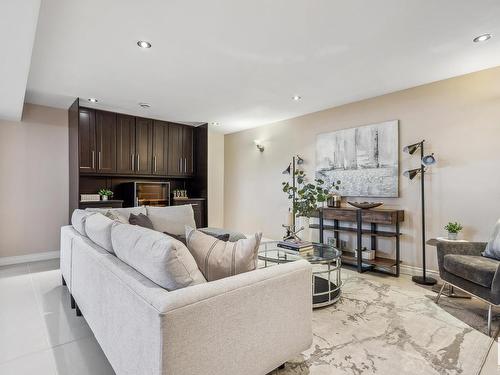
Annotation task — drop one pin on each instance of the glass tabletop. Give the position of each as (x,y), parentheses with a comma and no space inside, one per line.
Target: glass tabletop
(322,253)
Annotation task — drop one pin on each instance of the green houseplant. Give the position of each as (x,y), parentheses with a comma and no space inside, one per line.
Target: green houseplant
(453,230)
(105,194)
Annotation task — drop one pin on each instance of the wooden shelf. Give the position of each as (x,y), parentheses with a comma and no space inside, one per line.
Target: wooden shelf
(367,232)
(349,257)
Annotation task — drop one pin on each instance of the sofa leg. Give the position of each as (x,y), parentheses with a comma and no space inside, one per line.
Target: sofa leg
(440,292)
(489,320)
(63,281)
(78,312)
(72,299)
(282,367)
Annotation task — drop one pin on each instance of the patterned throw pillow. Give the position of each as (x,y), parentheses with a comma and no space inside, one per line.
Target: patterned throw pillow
(217,259)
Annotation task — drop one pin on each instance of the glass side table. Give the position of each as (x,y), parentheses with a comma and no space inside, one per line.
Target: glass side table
(326,262)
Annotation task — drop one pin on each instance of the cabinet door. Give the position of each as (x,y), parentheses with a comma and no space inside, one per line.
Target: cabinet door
(143,145)
(175,157)
(160,147)
(187,150)
(86,140)
(125,144)
(105,124)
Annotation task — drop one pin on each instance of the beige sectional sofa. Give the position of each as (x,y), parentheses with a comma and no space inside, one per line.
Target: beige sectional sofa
(249,323)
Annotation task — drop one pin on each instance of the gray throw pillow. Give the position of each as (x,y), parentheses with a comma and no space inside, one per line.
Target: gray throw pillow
(493,248)
(140,220)
(182,237)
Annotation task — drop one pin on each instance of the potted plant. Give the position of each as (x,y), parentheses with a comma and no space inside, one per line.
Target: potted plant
(305,197)
(453,230)
(105,194)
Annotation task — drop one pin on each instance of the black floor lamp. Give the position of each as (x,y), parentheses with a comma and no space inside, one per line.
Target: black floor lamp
(425,161)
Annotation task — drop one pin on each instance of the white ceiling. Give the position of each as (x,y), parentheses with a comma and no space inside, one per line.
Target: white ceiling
(17,34)
(240,62)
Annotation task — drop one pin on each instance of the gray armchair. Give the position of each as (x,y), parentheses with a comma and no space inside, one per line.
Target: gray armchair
(462,266)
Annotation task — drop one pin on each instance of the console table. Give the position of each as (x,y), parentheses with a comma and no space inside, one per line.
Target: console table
(372,217)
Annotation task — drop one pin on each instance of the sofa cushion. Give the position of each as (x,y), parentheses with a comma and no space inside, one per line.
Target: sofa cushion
(121,211)
(172,219)
(141,220)
(161,258)
(98,228)
(113,215)
(217,259)
(476,269)
(493,248)
(78,218)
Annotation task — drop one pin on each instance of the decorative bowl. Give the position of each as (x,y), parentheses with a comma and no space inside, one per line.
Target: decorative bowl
(365,205)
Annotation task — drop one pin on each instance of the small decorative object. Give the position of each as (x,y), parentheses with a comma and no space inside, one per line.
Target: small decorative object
(453,230)
(334,198)
(365,159)
(259,146)
(105,194)
(365,205)
(180,194)
(367,254)
(90,197)
(331,241)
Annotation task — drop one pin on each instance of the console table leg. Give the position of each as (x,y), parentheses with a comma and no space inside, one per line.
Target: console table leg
(397,249)
(360,240)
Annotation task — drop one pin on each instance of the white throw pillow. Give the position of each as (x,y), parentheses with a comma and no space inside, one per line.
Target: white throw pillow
(493,248)
(161,258)
(172,219)
(98,228)
(125,212)
(78,219)
(217,259)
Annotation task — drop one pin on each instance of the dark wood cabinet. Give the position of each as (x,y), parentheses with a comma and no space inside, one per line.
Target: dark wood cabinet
(180,150)
(198,205)
(160,148)
(143,145)
(87,140)
(105,125)
(187,150)
(125,144)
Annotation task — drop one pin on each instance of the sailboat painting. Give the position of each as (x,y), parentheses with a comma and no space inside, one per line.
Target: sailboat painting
(364,159)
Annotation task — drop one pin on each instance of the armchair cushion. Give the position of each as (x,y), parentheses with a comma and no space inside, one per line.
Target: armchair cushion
(476,269)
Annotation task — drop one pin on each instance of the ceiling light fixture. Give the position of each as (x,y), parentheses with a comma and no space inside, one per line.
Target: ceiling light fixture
(144,105)
(296,98)
(92,100)
(214,123)
(143,44)
(482,38)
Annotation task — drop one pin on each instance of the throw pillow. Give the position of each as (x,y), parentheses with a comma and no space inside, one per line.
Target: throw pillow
(217,259)
(114,215)
(162,259)
(216,232)
(98,228)
(172,219)
(140,220)
(493,248)
(125,212)
(78,218)
(182,237)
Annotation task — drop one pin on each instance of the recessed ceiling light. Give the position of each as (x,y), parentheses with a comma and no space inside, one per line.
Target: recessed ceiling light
(92,100)
(143,44)
(144,105)
(214,123)
(296,98)
(482,38)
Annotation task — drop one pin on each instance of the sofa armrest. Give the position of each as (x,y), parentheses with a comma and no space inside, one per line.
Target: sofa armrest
(459,248)
(252,322)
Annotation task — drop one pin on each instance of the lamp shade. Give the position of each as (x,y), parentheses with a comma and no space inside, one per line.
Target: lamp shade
(287,171)
(299,160)
(412,173)
(428,160)
(410,149)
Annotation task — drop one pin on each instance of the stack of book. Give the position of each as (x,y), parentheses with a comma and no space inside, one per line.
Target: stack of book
(303,247)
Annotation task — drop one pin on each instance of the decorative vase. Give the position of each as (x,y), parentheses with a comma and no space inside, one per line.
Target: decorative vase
(104,197)
(304,234)
(452,236)
(333,200)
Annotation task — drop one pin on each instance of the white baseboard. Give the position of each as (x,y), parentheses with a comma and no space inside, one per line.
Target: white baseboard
(5,261)
(417,271)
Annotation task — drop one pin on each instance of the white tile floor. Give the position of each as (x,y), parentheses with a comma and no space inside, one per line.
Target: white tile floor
(40,334)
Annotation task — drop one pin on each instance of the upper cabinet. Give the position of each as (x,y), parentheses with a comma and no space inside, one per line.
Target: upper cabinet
(111,144)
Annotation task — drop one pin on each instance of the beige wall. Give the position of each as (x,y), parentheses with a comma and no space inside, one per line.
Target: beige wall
(215,179)
(460,120)
(34,181)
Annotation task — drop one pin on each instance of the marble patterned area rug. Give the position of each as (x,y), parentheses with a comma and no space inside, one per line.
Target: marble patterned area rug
(382,327)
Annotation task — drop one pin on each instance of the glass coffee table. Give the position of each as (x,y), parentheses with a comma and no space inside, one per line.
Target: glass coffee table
(326,262)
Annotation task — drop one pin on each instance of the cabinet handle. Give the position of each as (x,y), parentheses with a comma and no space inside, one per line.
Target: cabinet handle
(93,159)
(133,161)
(154,162)
(138,163)
(99,160)
(185,165)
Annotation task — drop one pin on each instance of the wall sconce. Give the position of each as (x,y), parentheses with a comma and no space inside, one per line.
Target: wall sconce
(259,145)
